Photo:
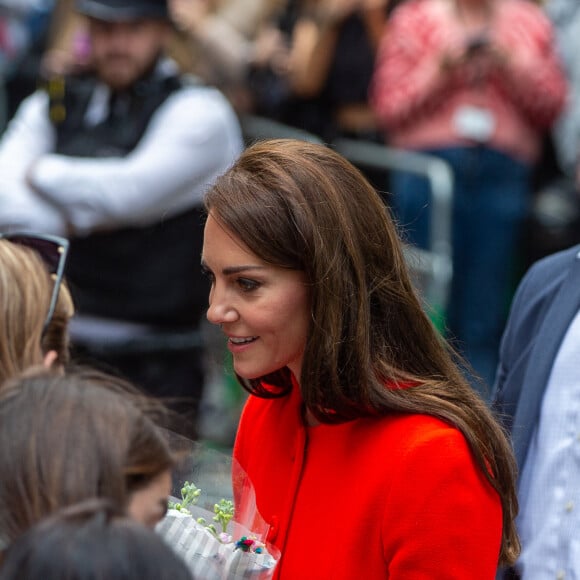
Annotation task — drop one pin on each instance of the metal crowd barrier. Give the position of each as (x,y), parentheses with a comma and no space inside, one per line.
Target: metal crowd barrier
(256,128)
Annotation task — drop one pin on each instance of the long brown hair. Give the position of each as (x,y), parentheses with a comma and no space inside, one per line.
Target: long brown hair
(302,206)
(69,437)
(25,292)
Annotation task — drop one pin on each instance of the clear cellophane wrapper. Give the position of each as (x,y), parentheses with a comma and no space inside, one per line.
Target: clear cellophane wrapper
(217,555)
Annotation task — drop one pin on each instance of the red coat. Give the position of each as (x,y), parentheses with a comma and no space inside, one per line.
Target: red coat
(398,497)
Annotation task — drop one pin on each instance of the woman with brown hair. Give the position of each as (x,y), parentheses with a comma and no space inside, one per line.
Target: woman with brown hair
(36,305)
(67,438)
(370,454)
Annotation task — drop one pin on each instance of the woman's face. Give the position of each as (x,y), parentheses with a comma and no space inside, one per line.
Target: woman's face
(264,310)
(148,504)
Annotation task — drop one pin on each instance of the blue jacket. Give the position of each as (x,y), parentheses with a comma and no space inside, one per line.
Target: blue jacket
(544,305)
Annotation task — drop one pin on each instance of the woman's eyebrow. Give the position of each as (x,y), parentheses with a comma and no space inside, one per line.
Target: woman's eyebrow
(233,269)
(237,269)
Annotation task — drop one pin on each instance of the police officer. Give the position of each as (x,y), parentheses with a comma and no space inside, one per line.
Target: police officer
(118,160)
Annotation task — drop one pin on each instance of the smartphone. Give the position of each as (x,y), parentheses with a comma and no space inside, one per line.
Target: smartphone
(476,43)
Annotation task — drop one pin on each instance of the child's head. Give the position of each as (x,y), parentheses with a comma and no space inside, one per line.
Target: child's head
(67,438)
(91,541)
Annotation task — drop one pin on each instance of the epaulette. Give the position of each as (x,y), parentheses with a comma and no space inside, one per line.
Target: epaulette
(64,91)
(55,88)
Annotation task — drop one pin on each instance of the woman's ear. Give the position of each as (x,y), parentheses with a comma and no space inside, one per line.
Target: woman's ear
(50,358)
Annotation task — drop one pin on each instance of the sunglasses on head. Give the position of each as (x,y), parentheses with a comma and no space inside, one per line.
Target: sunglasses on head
(53,251)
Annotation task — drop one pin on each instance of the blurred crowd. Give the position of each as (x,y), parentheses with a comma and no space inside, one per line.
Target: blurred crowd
(118,116)
(489,86)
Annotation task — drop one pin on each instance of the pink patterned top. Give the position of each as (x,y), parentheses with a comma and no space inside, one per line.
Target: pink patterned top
(421,105)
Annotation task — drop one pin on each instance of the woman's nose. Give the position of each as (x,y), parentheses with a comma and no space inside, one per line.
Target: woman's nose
(220,310)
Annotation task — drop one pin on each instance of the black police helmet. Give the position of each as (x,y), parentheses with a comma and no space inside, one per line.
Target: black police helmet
(123,10)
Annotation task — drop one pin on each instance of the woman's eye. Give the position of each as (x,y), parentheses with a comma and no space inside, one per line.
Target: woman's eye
(247,285)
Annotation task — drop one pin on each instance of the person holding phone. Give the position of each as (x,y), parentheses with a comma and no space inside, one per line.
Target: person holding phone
(477,83)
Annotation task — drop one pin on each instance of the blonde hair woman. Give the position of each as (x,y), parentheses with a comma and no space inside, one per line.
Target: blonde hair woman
(35,304)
